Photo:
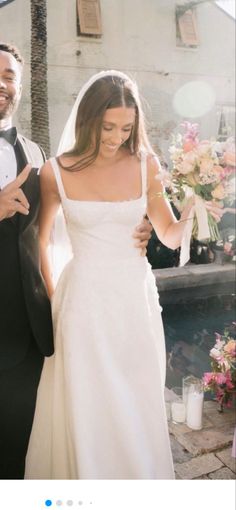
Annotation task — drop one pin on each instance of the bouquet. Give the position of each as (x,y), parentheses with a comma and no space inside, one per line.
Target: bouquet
(222,379)
(203,169)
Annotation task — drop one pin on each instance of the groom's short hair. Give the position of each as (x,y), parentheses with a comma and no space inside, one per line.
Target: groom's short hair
(9,48)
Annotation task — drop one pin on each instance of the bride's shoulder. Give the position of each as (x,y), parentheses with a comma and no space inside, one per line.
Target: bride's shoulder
(46,171)
(47,176)
(153,163)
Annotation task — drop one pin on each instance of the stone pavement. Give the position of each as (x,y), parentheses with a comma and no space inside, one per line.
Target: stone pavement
(204,454)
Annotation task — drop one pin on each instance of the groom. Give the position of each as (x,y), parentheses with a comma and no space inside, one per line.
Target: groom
(26,327)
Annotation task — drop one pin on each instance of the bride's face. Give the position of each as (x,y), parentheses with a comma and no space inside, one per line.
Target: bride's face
(117,125)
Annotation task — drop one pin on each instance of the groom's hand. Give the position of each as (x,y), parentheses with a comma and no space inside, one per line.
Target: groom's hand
(142,234)
(12,198)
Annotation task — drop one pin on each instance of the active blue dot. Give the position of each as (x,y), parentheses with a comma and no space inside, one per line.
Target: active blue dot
(48,502)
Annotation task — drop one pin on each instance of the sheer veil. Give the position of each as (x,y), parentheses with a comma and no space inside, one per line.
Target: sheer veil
(61,251)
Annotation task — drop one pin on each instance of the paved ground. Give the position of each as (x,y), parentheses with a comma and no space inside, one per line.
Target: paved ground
(204,454)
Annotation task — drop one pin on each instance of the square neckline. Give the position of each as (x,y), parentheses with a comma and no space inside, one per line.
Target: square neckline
(103,201)
(63,195)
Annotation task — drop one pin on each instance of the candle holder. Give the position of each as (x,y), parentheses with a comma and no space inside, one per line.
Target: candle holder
(193,396)
(177,405)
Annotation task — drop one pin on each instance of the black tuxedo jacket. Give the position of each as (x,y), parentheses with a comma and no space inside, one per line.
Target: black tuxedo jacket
(25,310)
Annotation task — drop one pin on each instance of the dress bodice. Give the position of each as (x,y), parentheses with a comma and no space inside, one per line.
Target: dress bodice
(102,229)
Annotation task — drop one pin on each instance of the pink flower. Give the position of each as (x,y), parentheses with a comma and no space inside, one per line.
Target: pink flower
(225,172)
(220,378)
(229,385)
(219,171)
(207,378)
(191,132)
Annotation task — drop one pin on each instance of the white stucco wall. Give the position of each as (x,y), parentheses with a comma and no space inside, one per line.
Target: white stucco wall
(138,38)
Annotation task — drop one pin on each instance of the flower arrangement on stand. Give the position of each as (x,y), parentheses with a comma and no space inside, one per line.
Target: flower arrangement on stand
(205,170)
(222,380)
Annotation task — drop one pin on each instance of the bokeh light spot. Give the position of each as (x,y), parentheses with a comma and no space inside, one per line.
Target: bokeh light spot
(194,99)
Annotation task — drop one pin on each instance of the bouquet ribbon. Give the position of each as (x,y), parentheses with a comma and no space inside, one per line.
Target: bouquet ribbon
(199,209)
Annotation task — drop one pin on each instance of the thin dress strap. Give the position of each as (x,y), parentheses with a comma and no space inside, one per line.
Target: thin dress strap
(144,172)
(58,178)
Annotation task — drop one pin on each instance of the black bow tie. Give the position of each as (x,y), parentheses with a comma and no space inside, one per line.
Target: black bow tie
(10,135)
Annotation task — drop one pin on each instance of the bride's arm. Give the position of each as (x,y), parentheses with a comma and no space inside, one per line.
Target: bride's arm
(49,204)
(168,229)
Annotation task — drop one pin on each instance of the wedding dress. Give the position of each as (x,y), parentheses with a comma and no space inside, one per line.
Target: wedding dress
(100,411)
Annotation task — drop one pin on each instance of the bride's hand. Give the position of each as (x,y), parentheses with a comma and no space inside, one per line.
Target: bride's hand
(215,209)
(142,234)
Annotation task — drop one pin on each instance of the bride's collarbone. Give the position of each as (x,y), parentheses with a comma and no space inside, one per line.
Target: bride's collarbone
(105,184)
(102,190)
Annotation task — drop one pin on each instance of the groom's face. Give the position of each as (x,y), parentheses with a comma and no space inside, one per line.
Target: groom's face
(10,84)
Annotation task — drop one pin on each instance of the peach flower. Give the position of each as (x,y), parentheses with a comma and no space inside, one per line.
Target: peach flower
(219,192)
(230,348)
(189,145)
(206,166)
(217,169)
(230,158)
(188,163)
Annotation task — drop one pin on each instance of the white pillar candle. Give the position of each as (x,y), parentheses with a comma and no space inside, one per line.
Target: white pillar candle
(194,410)
(178,411)
(168,415)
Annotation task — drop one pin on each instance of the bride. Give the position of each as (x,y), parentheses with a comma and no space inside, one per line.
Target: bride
(100,411)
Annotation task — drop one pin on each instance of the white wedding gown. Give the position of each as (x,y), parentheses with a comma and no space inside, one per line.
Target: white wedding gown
(100,410)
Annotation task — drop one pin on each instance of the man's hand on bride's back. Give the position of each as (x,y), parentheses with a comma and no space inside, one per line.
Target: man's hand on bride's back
(142,234)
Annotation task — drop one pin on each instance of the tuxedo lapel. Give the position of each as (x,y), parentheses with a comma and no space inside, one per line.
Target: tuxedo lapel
(31,191)
(21,157)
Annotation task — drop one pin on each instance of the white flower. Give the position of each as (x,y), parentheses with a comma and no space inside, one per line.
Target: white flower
(219,344)
(215,353)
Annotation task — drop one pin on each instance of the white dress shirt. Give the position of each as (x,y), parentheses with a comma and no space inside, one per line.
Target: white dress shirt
(8,165)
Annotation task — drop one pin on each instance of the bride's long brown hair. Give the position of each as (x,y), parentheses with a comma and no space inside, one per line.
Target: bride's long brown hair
(106,92)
